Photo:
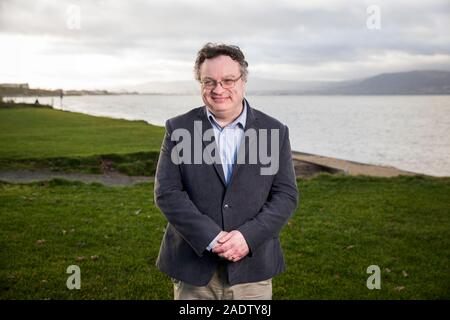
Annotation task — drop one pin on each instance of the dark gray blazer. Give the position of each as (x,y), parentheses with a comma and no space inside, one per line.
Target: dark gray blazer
(198,205)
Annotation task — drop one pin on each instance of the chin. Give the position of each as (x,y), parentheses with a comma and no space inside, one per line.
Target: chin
(221,105)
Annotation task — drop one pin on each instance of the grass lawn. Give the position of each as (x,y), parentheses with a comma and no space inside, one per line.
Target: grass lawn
(343,225)
(32,137)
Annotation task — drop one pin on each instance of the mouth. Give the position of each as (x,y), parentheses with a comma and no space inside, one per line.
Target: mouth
(219,99)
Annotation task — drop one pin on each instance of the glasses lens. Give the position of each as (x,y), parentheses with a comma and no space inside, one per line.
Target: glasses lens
(209,84)
(227,83)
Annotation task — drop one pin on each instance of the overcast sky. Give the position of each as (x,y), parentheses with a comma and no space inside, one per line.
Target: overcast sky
(107,44)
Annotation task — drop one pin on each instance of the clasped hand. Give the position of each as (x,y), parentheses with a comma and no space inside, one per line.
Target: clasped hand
(231,246)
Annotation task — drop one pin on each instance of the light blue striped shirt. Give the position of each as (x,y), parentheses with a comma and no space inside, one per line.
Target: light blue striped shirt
(228,140)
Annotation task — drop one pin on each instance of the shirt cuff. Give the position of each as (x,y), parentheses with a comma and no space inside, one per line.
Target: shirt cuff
(213,243)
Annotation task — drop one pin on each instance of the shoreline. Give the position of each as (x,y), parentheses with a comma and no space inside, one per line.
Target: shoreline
(308,165)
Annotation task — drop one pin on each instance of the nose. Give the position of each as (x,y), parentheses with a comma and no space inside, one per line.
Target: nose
(218,89)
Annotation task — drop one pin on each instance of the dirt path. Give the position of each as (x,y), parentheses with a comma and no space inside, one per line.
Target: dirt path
(110,179)
(306,166)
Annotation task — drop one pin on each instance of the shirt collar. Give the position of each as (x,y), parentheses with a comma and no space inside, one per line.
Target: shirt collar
(241,119)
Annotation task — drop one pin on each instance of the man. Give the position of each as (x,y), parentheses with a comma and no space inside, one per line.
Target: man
(225,199)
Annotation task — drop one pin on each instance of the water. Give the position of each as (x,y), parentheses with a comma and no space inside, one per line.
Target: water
(408,132)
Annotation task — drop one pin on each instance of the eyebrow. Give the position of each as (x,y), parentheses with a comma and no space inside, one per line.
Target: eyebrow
(227,76)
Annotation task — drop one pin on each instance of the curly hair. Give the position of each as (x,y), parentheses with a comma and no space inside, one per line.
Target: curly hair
(212,50)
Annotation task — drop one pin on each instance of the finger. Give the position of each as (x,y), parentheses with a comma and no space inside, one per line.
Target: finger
(220,248)
(226,256)
(225,238)
(230,254)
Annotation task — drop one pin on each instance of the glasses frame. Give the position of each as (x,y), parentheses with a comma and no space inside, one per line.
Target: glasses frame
(215,83)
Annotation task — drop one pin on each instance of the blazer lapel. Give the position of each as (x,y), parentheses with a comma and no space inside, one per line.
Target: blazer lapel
(251,123)
(205,126)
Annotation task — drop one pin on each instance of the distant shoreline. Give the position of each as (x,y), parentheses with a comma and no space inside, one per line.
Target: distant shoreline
(263,94)
(412,82)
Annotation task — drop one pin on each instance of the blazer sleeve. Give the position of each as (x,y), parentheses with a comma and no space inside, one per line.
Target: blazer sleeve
(281,203)
(197,229)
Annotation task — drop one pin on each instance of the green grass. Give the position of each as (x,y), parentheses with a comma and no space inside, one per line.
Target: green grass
(343,225)
(119,225)
(346,224)
(133,164)
(35,138)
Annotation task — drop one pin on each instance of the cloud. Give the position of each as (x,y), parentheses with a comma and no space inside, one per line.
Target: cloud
(136,40)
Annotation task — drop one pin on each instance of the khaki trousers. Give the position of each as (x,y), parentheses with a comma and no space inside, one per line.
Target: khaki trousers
(219,289)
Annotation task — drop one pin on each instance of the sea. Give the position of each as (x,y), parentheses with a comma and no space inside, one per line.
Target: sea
(407,132)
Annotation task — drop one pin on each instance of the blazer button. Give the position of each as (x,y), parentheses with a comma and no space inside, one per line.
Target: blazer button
(226,206)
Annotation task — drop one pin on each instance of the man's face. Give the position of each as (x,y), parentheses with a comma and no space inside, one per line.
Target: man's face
(222,101)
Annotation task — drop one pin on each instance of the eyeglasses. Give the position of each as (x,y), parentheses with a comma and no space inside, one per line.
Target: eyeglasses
(226,83)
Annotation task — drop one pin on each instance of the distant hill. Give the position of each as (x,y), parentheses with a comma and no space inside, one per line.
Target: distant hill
(412,82)
(254,86)
(398,83)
